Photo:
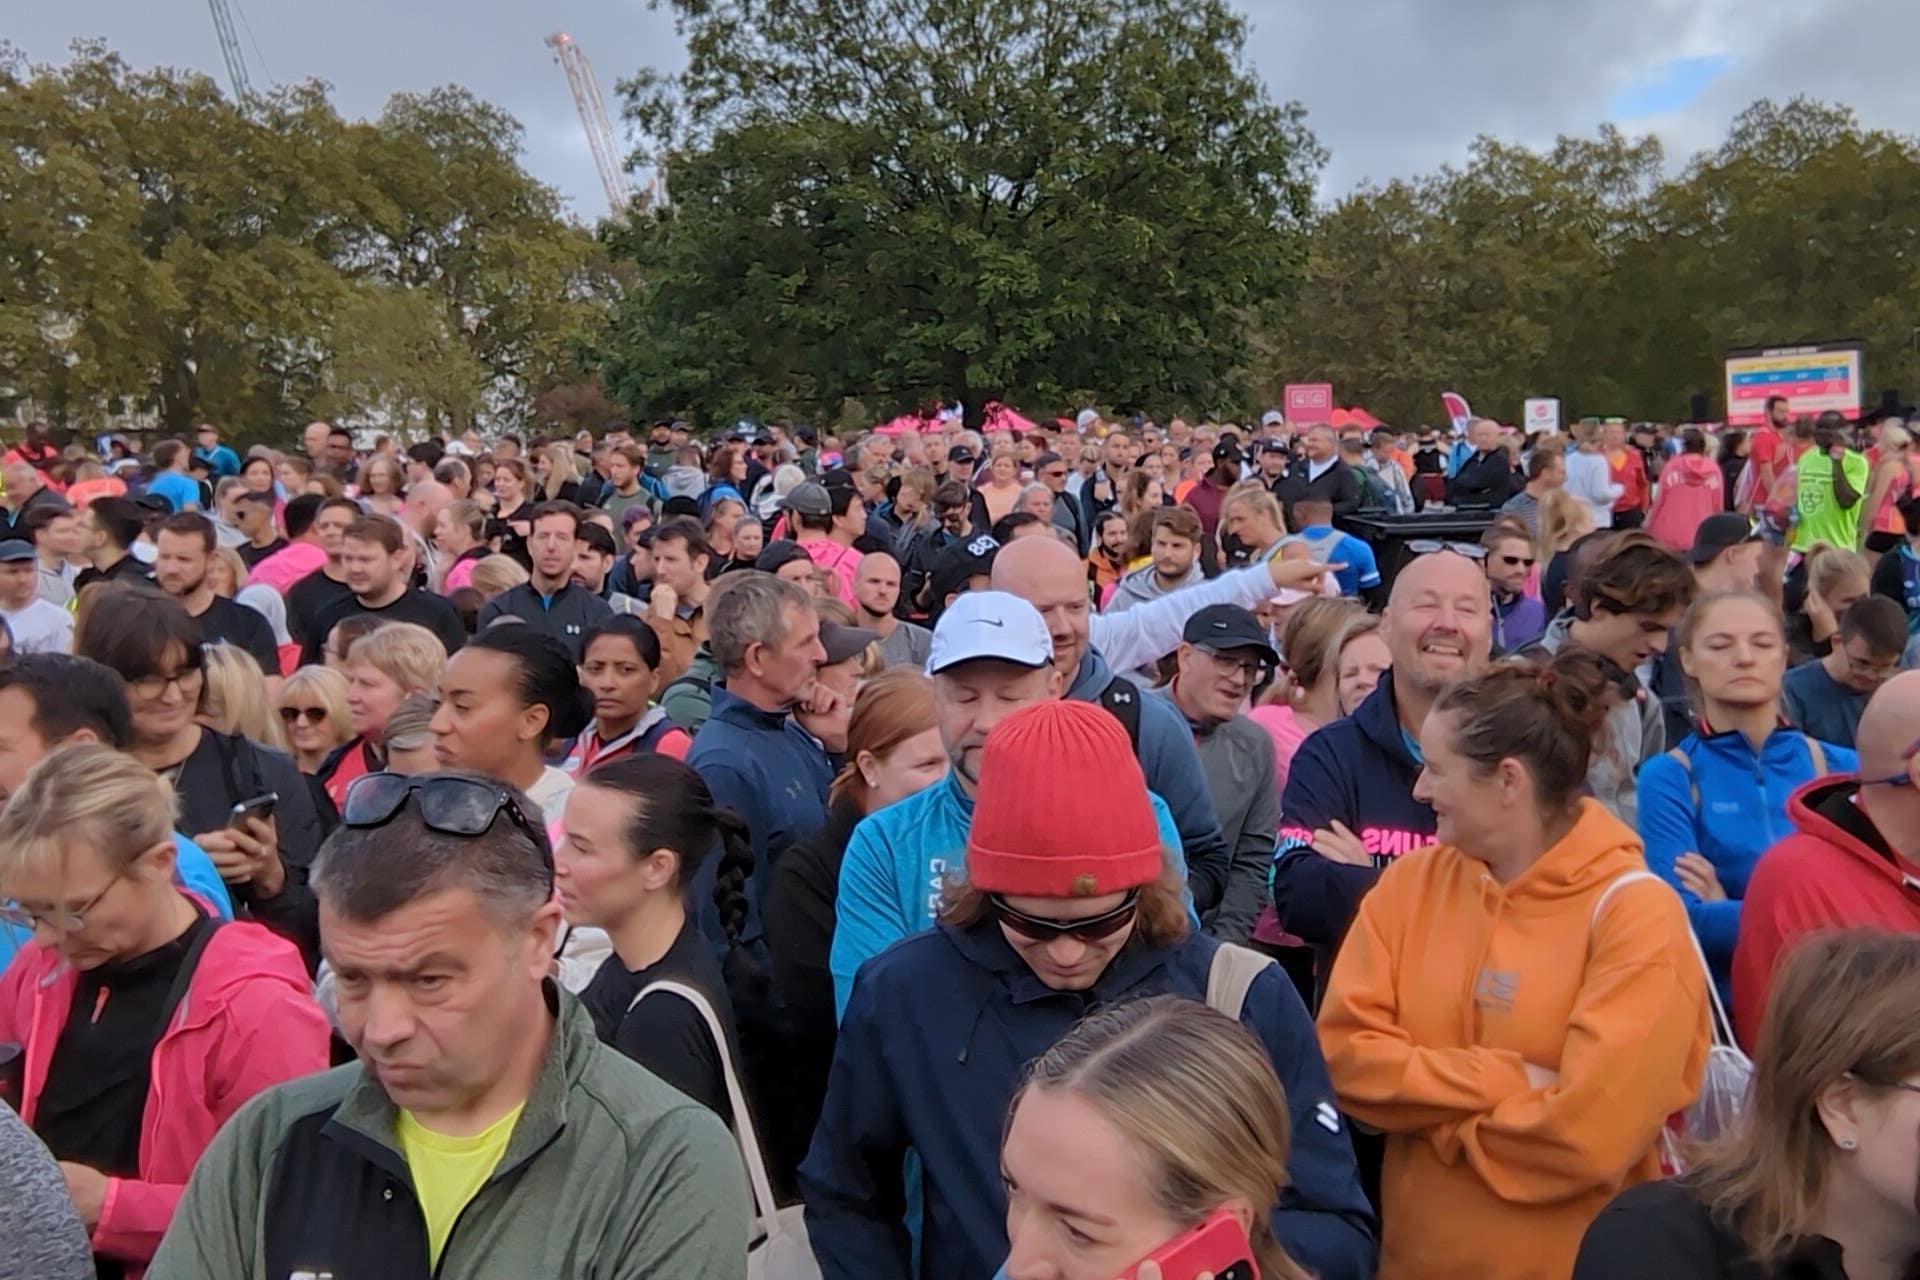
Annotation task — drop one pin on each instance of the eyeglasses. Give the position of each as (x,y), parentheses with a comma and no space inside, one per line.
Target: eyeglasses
(1513,562)
(1428,546)
(1055,473)
(61,919)
(451,806)
(1902,779)
(312,715)
(1254,669)
(1091,929)
(153,688)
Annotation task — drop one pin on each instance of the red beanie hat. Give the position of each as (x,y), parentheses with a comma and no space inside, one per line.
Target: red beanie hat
(1032,836)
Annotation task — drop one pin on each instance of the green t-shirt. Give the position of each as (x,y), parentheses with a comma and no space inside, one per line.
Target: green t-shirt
(1821,518)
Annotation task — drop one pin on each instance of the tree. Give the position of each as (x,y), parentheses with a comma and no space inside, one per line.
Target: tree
(1586,272)
(164,250)
(917,199)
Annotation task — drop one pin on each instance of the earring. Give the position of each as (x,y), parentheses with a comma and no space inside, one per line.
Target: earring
(1848,1144)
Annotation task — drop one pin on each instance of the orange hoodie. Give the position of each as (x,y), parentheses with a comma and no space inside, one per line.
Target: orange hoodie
(1449,985)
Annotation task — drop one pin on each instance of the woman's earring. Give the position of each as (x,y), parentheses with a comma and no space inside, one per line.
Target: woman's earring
(1848,1144)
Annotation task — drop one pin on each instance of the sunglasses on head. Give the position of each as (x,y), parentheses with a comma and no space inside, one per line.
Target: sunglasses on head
(451,806)
(312,715)
(1041,929)
(1428,546)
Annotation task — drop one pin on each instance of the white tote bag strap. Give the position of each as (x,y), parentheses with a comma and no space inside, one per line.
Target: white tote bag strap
(765,1211)
(1722,1025)
(1231,976)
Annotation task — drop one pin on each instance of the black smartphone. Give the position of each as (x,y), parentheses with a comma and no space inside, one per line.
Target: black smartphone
(259,807)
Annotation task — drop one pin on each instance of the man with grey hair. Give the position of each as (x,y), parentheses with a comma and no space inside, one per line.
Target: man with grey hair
(757,760)
(481,1085)
(1321,474)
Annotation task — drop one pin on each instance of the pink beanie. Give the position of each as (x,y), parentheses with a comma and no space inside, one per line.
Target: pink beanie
(1032,837)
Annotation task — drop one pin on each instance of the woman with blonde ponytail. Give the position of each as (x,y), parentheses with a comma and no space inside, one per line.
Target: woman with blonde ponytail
(1148,1117)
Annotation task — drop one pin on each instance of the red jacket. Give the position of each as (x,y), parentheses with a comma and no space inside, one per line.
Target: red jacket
(1630,473)
(1833,872)
(248,1022)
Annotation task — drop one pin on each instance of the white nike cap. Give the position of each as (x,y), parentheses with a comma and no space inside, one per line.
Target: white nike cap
(990,624)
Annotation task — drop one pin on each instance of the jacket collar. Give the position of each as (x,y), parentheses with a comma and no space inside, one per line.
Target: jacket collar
(367,1114)
(984,946)
(735,710)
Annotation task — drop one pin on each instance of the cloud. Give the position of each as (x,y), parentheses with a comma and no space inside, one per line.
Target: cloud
(1392,87)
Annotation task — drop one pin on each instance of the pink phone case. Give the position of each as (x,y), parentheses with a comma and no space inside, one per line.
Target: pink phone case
(1217,1246)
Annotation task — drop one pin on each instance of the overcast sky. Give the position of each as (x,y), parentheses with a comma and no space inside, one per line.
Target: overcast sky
(1392,87)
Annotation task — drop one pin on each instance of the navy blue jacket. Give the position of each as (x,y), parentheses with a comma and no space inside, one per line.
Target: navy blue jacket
(1172,765)
(1359,772)
(770,771)
(935,1040)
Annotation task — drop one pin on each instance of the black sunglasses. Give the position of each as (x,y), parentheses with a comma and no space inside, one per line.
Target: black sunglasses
(450,806)
(312,715)
(1515,561)
(1091,929)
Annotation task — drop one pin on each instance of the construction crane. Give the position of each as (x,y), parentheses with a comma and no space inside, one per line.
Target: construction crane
(593,118)
(230,50)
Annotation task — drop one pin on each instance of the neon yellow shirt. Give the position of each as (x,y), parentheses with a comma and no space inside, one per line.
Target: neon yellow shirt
(1821,518)
(448,1171)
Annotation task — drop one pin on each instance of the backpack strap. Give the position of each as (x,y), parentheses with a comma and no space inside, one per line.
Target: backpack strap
(1819,754)
(1121,698)
(1686,766)
(1232,975)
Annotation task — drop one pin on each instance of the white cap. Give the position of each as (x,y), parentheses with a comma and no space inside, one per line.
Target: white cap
(990,624)
(1085,419)
(1272,418)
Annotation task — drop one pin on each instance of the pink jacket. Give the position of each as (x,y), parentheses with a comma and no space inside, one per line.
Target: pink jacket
(1691,489)
(843,561)
(287,566)
(248,1022)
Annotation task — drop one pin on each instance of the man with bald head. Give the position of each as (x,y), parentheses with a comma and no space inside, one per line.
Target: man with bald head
(1854,856)
(1048,575)
(313,440)
(876,592)
(1348,809)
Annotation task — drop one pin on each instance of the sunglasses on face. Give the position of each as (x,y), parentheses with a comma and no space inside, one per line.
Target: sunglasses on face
(1041,929)
(450,806)
(1514,562)
(293,715)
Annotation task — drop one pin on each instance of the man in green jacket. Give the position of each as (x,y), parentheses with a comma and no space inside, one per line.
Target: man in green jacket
(485,1133)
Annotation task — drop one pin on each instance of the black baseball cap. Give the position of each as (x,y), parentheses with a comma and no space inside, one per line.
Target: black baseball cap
(1224,628)
(959,453)
(842,642)
(1718,533)
(1270,445)
(960,562)
(779,554)
(1225,451)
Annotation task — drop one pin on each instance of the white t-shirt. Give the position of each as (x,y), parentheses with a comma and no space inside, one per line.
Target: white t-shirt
(40,628)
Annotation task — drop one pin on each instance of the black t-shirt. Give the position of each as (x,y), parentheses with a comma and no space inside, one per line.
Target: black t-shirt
(307,600)
(243,628)
(412,605)
(126,569)
(663,1033)
(251,555)
(102,1066)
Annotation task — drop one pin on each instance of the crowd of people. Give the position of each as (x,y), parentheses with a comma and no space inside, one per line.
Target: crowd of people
(1082,850)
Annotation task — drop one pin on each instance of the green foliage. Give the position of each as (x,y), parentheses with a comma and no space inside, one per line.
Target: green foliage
(1587,272)
(164,250)
(907,200)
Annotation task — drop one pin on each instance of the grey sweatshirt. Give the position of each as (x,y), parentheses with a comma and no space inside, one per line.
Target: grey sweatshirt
(40,1235)
(1237,759)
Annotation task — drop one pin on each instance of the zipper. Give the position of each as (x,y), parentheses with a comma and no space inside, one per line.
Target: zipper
(446,1248)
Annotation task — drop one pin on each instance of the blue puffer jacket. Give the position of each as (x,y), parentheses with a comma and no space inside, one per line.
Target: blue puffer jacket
(934,1043)
(1727,803)
(896,866)
(1172,765)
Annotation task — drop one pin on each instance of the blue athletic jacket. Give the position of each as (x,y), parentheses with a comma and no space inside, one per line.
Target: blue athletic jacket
(1728,804)
(935,1040)
(896,864)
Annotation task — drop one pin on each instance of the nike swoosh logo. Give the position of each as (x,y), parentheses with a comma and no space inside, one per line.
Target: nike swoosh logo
(993,622)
